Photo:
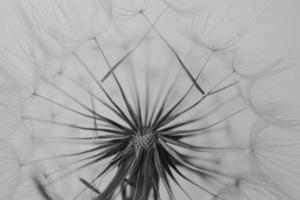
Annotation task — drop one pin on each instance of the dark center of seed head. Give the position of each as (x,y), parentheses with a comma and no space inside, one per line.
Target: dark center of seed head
(145,140)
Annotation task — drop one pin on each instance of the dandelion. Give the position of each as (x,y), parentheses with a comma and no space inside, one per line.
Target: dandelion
(141,142)
(105,125)
(144,142)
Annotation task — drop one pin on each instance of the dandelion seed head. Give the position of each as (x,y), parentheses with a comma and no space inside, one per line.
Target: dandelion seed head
(144,140)
(148,122)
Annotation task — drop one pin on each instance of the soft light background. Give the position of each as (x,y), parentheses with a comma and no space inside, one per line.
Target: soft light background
(275,99)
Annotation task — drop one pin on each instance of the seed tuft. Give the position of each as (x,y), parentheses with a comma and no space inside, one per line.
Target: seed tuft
(145,139)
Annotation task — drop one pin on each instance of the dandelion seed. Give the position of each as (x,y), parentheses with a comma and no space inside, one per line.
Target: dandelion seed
(222,26)
(16,78)
(129,8)
(265,45)
(275,155)
(61,25)
(251,187)
(274,99)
